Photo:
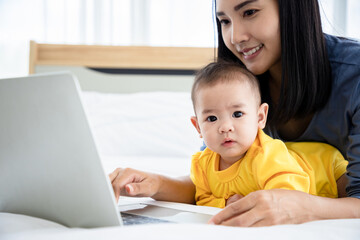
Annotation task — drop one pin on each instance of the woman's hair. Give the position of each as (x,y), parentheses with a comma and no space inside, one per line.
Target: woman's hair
(222,72)
(306,70)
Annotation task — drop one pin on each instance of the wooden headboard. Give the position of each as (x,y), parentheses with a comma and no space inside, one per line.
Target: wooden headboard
(112,64)
(126,57)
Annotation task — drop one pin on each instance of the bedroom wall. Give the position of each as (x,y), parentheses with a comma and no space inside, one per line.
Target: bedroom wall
(127,22)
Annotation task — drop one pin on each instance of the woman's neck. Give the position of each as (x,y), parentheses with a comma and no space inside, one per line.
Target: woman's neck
(275,83)
(294,128)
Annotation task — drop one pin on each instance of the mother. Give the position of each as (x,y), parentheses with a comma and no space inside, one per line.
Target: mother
(311,81)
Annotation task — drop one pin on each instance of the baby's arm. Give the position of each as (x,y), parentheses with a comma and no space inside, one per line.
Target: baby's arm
(203,193)
(135,183)
(204,197)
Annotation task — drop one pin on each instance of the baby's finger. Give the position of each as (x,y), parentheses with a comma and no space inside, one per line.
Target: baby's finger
(114,174)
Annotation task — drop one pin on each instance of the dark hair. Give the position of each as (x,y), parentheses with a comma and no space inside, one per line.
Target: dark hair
(306,70)
(222,71)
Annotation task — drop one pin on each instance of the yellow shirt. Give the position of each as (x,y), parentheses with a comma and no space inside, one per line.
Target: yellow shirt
(310,167)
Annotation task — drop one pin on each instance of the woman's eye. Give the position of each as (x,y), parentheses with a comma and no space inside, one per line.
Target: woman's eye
(237,114)
(223,22)
(211,119)
(249,12)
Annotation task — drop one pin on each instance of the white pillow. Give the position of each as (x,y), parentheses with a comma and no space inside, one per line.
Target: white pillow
(142,124)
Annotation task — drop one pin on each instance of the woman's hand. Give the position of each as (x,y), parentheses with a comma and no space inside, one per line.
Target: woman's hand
(233,198)
(279,206)
(264,208)
(134,183)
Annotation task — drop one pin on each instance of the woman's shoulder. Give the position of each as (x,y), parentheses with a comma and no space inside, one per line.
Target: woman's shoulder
(343,50)
(344,57)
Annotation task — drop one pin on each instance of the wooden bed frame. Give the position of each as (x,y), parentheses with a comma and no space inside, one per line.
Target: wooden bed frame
(122,69)
(124,57)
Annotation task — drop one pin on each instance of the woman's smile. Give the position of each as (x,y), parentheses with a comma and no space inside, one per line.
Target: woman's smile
(249,53)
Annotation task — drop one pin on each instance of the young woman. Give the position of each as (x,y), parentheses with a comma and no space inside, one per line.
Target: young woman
(311,81)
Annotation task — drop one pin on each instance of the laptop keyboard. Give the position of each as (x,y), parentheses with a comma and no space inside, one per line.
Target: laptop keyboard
(131,219)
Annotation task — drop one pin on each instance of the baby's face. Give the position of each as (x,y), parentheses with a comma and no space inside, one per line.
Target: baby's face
(228,116)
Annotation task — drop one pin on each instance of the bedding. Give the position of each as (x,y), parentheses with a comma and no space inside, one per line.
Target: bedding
(152,132)
(142,124)
(147,131)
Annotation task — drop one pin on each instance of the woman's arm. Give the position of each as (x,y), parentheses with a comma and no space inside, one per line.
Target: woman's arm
(131,182)
(279,206)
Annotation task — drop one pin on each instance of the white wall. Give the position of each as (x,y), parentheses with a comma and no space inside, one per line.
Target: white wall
(127,22)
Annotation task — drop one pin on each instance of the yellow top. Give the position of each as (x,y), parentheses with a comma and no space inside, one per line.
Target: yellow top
(310,167)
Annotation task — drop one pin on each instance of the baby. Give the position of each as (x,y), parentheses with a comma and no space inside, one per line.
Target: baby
(240,158)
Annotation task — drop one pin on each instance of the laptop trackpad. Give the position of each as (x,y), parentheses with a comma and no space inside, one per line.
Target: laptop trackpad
(172,215)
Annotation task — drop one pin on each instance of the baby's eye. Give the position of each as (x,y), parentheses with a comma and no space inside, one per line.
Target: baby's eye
(211,119)
(237,114)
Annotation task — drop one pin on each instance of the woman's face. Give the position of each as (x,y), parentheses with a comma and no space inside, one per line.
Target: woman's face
(251,31)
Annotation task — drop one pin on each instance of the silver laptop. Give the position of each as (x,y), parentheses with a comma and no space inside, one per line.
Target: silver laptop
(49,164)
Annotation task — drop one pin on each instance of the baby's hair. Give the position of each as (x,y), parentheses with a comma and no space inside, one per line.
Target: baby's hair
(223,71)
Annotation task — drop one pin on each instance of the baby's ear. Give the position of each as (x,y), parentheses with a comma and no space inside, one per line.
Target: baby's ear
(194,122)
(262,115)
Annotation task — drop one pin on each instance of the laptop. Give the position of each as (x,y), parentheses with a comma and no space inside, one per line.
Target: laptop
(49,164)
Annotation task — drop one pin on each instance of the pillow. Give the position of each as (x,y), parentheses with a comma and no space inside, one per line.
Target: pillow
(142,124)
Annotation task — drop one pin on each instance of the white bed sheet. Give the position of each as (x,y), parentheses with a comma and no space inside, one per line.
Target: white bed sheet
(152,132)
(33,228)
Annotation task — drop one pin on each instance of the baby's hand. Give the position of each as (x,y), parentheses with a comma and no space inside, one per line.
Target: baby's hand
(134,183)
(233,198)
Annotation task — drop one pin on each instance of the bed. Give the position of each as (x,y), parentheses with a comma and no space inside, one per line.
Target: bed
(147,128)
